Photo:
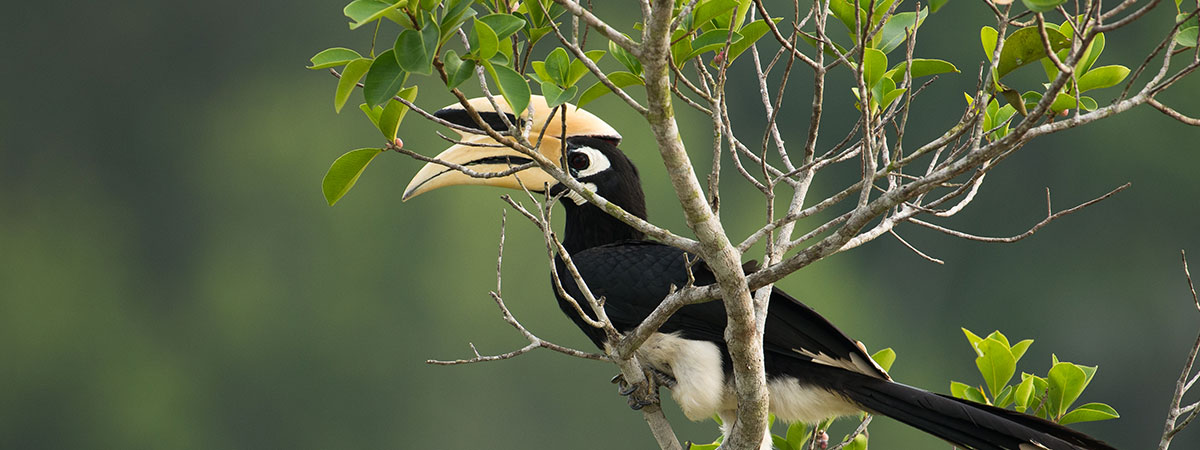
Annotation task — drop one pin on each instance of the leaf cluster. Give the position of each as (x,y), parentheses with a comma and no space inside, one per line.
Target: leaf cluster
(1049,397)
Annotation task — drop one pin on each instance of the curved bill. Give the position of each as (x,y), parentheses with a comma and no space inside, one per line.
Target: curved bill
(487,157)
(484,160)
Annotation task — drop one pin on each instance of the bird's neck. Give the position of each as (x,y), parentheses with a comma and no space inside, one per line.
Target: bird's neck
(587,226)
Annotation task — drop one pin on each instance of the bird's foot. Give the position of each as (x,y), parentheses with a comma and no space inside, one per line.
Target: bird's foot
(643,394)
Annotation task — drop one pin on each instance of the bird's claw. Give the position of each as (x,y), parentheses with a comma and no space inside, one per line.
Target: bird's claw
(625,389)
(643,394)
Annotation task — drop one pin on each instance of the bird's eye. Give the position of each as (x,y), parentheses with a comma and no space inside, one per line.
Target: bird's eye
(578,161)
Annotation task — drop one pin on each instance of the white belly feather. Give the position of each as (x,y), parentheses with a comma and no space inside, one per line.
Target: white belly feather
(702,391)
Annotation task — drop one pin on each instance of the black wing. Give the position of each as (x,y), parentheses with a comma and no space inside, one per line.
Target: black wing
(635,276)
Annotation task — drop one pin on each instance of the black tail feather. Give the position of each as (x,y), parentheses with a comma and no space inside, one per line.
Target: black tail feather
(964,423)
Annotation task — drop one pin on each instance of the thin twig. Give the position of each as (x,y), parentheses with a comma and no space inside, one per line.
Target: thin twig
(914,249)
(862,428)
(1173,113)
(1034,229)
(1173,426)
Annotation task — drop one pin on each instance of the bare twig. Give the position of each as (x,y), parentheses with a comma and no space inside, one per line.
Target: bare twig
(534,341)
(1173,113)
(1173,426)
(597,24)
(862,428)
(914,249)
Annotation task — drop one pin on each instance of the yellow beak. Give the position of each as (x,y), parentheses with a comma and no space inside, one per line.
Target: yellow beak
(479,153)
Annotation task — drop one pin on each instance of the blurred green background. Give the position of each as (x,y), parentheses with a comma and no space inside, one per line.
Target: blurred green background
(172,278)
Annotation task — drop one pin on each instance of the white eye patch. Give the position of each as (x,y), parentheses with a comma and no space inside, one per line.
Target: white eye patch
(598,162)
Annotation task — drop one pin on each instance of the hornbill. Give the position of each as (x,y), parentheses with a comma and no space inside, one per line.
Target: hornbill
(814,371)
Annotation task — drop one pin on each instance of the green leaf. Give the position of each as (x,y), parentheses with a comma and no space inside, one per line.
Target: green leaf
(1090,412)
(1004,398)
(1042,5)
(1031,99)
(1000,118)
(873,65)
(1065,382)
(959,390)
(997,365)
(625,58)
(558,66)
(972,338)
(512,85)
(457,70)
(483,40)
(1018,350)
(885,358)
(859,443)
(778,442)
(555,95)
(372,113)
(393,114)
(921,68)
(1088,372)
(504,25)
(345,171)
(1187,32)
(578,69)
(333,57)
(1102,77)
(1024,393)
(989,121)
(539,71)
(894,32)
(410,51)
(797,433)
(975,394)
(710,9)
(501,59)
(844,11)
(453,19)
(681,47)
(739,15)
(350,75)
(1024,46)
(453,7)
(711,41)
(1093,52)
(363,12)
(751,33)
(383,80)
(988,37)
(1088,103)
(620,79)
(881,7)
(536,11)
(997,335)
(935,5)
(891,96)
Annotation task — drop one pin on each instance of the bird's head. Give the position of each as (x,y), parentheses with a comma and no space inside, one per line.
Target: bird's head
(591,144)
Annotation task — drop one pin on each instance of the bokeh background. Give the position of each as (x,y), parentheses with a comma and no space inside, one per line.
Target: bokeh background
(171,277)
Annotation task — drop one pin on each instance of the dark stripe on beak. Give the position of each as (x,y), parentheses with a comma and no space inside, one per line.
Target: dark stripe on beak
(459,116)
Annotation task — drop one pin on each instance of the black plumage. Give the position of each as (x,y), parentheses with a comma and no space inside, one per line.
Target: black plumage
(814,371)
(800,346)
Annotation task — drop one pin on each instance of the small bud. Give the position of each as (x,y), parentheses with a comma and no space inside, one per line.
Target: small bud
(719,59)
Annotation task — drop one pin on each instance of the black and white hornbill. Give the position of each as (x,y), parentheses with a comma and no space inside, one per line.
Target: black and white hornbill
(814,371)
